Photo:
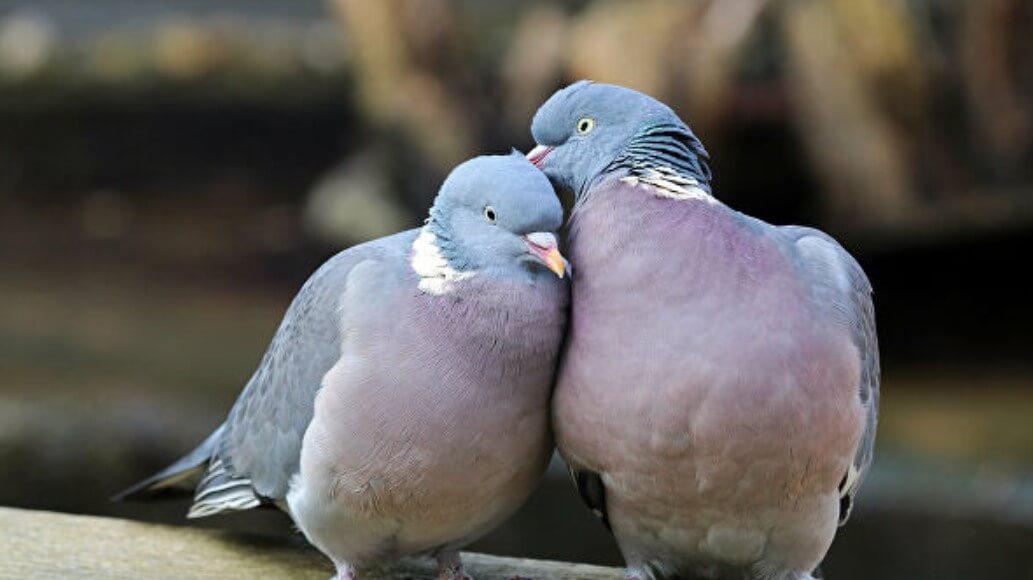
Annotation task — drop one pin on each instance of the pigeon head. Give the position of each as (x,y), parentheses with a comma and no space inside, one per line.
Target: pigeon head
(494,213)
(588,130)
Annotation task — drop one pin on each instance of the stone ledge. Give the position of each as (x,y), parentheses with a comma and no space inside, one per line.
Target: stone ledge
(38,545)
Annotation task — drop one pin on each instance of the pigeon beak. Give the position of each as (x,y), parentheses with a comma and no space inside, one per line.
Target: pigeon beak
(544,247)
(538,155)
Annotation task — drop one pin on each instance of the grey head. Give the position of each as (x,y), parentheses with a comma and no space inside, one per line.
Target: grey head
(588,130)
(497,214)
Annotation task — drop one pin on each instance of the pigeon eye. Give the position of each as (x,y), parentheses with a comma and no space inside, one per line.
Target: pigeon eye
(489,214)
(585,125)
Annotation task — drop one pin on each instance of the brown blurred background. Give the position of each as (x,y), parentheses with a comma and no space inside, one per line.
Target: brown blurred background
(171,171)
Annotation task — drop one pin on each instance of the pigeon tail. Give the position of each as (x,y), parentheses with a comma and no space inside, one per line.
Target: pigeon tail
(220,491)
(177,475)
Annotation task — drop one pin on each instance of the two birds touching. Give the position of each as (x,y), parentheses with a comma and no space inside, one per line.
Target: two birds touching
(711,380)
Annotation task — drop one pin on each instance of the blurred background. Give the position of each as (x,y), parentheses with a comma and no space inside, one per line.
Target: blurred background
(171,171)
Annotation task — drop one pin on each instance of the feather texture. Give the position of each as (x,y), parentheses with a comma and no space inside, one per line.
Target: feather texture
(666,149)
(402,405)
(717,397)
(844,287)
(220,491)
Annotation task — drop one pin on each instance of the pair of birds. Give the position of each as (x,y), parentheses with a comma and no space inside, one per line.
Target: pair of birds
(715,397)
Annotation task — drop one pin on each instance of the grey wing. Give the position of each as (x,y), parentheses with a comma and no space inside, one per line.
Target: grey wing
(259,450)
(849,292)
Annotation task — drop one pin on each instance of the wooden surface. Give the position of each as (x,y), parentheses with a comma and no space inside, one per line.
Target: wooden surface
(38,545)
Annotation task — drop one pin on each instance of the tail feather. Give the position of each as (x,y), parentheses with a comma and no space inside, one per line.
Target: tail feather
(220,491)
(217,488)
(182,471)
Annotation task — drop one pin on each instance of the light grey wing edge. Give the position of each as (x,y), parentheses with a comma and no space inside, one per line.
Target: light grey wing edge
(263,433)
(850,292)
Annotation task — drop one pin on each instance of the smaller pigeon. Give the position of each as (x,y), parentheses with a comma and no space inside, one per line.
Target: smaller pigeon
(403,405)
(718,395)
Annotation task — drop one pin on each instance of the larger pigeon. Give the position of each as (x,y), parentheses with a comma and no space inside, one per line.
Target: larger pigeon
(403,405)
(718,395)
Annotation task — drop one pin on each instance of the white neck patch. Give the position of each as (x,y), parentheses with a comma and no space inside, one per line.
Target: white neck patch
(436,276)
(666,182)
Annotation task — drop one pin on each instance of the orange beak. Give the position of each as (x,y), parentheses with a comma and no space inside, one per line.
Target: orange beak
(543,245)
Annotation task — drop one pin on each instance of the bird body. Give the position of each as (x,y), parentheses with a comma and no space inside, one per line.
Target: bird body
(412,461)
(701,403)
(403,405)
(716,399)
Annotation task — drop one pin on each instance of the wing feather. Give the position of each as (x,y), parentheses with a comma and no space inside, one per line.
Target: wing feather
(250,459)
(265,429)
(843,280)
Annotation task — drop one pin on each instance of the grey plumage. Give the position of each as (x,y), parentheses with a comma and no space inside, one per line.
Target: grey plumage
(852,299)
(264,429)
(258,446)
(402,406)
(185,471)
(717,398)
(668,147)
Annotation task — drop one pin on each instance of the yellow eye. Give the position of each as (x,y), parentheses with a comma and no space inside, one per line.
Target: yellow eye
(585,125)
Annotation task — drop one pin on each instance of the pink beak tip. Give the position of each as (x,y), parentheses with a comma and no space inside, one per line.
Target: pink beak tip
(537,155)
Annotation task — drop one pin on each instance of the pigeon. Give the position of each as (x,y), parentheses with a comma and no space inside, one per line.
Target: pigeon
(402,408)
(717,396)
